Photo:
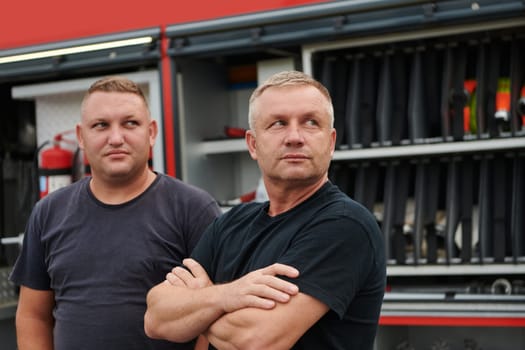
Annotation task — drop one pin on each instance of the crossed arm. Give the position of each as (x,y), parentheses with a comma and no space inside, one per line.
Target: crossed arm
(258,310)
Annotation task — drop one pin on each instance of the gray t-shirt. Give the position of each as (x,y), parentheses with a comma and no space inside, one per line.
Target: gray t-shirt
(101,260)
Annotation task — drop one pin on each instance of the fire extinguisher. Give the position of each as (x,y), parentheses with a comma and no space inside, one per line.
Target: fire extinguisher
(56,167)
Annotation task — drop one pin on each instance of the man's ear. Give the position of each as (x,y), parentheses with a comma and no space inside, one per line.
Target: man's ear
(249,136)
(153,132)
(80,140)
(333,137)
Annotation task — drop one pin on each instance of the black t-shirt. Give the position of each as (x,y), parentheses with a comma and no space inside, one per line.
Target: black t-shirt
(100,260)
(332,240)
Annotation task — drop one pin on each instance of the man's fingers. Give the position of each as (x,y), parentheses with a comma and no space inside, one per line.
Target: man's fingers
(260,303)
(281,295)
(196,269)
(182,273)
(269,278)
(200,276)
(281,269)
(280,285)
(174,280)
(261,288)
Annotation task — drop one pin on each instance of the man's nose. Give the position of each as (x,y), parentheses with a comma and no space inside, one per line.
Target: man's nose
(115,135)
(294,134)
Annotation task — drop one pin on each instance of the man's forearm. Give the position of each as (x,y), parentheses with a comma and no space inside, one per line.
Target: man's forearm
(34,334)
(277,329)
(187,303)
(243,329)
(183,317)
(225,332)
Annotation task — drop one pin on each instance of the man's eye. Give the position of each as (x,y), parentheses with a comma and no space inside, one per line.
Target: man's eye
(131,123)
(99,125)
(312,122)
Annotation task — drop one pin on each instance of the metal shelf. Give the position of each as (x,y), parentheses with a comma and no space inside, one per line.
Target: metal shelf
(222,146)
(431,147)
(465,309)
(458,319)
(453,310)
(460,269)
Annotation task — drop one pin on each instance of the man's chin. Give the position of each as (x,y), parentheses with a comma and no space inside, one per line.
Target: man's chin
(299,177)
(118,173)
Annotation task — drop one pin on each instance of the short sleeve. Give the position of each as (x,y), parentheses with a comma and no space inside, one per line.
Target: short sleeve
(30,269)
(333,256)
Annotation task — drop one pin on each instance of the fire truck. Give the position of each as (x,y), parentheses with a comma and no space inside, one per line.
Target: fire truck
(429,100)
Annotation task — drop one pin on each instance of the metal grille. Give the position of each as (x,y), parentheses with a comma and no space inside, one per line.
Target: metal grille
(7,289)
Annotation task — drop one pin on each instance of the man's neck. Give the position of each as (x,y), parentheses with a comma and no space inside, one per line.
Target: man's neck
(284,198)
(121,191)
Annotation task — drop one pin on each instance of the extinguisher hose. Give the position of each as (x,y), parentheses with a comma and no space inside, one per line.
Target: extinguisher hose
(76,170)
(36,181)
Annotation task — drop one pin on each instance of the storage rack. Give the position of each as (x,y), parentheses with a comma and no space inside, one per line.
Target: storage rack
(427,300)
(451,289)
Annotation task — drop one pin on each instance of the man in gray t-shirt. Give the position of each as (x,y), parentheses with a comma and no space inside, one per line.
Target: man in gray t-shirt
(93,249)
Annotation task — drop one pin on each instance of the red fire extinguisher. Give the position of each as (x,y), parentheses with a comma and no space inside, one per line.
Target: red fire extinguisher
(56,167)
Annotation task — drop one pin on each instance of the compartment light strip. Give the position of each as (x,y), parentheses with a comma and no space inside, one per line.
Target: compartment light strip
(76,49)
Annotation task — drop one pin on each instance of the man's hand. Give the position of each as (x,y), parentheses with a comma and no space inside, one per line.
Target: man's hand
(193,277)
(260,288)
(187,302)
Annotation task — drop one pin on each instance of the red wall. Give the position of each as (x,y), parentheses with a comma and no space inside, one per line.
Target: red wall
(24,23)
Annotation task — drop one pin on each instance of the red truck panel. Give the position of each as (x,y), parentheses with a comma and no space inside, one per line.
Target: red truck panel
(39,22)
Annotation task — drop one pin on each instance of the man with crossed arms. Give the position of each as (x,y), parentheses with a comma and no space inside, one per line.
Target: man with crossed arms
(305,270)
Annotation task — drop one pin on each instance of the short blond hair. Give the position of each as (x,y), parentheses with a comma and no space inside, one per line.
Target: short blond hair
(288,78)
(116,83)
